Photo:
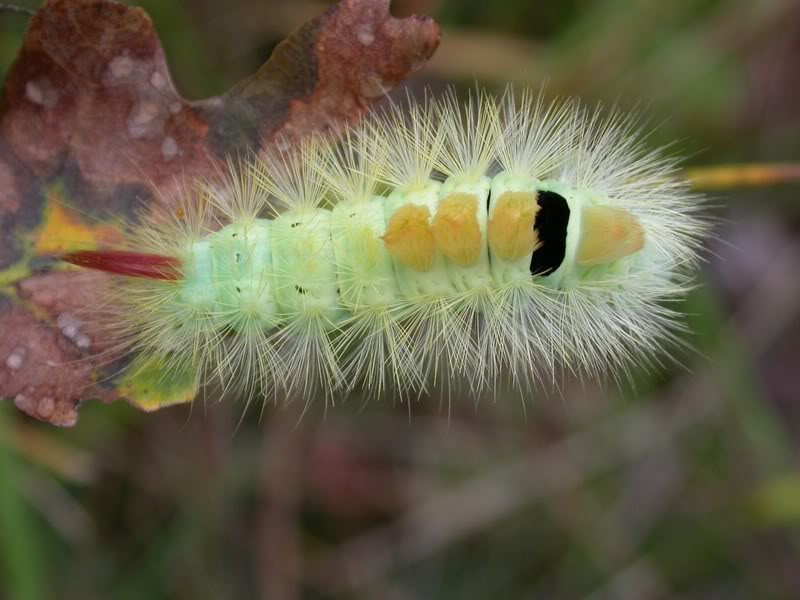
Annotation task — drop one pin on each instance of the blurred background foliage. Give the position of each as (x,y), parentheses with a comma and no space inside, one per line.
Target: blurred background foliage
(685,484)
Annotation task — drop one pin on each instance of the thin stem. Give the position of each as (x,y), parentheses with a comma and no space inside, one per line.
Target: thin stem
(745,175)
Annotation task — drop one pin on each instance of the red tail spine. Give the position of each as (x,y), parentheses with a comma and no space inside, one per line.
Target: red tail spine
(129,264)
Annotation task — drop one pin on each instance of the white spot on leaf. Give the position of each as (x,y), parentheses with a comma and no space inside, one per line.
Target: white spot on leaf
(41,92)
(46,407)
(169,148)
(23,403)
(120,66)
(16,359)
(157,80)
(141,122)
(365,36)
(34,93)
(70,329)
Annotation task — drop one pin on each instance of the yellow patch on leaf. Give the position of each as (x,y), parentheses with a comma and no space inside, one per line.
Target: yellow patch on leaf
(62,230)
(511,232)
(409,238)
(157,383)
(456,229)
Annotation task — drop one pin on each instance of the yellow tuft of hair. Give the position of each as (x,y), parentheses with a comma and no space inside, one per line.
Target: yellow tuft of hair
(511,232)
(608,234)
(409,238)
(456,229)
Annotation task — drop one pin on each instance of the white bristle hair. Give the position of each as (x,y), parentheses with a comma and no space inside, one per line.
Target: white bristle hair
(471,132)
(287,178)
(535,135)
(522,334)
(349,162)
(409,138)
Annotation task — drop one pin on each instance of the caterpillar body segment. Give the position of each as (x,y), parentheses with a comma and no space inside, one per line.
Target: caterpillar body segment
(442,246)
(560,225)
(363,264)
(304,269)
(512,233)
(460,228)
(243,273)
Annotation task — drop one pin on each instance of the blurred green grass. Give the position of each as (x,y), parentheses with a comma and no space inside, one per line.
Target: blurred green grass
(177,505)
(19,543)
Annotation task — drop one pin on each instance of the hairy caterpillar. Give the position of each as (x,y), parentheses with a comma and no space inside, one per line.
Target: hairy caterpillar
(443,245)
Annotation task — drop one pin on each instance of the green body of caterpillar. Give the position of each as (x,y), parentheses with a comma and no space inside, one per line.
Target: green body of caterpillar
(397,258)
(329,264)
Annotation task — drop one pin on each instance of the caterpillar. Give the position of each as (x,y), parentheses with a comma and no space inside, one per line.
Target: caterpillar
(444,245)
